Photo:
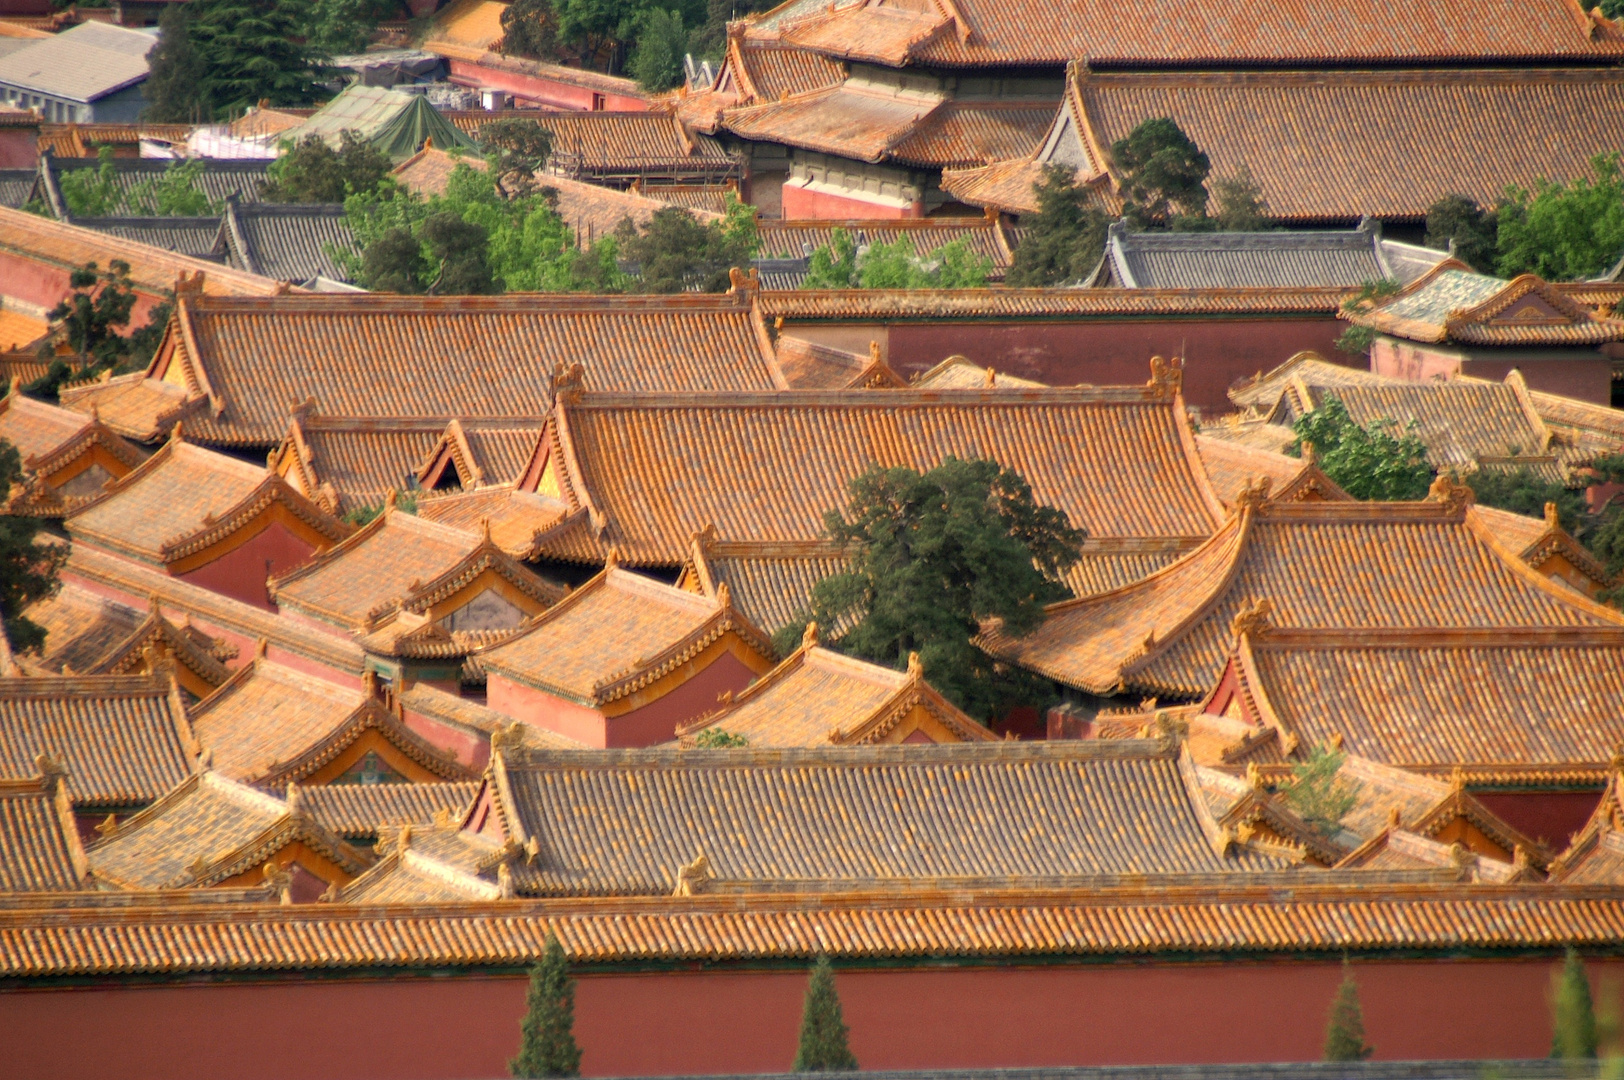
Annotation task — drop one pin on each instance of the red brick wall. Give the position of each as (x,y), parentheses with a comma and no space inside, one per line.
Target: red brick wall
(541,90)
(19,147)
(472,750)
(687,1022)
(241,572)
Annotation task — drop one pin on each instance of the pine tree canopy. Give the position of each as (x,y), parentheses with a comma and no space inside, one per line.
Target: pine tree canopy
(1573,1014)
(1064,239)
(28,570)
(547,1032)
(1345,1034)
(823,1046)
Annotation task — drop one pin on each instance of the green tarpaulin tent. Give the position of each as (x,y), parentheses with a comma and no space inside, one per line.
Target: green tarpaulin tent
(394,122)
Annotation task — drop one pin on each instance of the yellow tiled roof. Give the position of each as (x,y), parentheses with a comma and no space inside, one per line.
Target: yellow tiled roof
(82,628)
(429,170)
(1453,303)
(266,714)
(515,517)
(39,840)
(361,810)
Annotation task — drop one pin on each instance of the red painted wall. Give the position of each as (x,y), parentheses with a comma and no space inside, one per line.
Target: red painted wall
(40,283)
(19,147)
(710,1022)
(1587,378)
(799,204)
(1118,351)
(541,90)
(654,723)
(1548,816)
(471,750)
(241,572)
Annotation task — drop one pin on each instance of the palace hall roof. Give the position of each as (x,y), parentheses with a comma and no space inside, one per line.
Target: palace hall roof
(429,170)
(1536,540)
(87,633)
(123,739)
(1595,855)
(36,428)
(52,441)
(615,634)
(647,472)
(362,811)
(397,562)
(1455,304)
(1400,849)
(757,67)
(185,498)
(623,822)
(1477,698)
(267,714)
(40,851)
(206,830)
(516,518)
(816,697)
(935,305)
(234,370)
(1430,566)
(1232,467)
(771,584)
(1012,33)
(809,365)
(621,145)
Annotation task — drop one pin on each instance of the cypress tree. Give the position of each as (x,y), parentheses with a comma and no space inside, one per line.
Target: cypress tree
(547,1046)
(175,71)
(1573,1015)
(1345,1034)
(823,1032)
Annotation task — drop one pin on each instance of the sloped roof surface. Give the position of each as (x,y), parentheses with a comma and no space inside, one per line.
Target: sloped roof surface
(36,428)
(193,236)
(84,63)
(268,715)
(36,854)
(219,179)
(208,817)
(378,564)
(1244,260)
(360,810)
(289,242)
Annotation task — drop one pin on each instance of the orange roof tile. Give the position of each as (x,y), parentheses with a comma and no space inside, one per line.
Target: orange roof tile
(124,740)
(621,145)
(429,170)
(18,331)
(243,363)
(266,714)
(615,634)
(930,305)
(622,454)
(88,633)
(770,583)
(361,811)
(958,373)
(470,716)
(39,840)
(593,211)
(184,498)
(808,365)
(515,518)
(1324,566)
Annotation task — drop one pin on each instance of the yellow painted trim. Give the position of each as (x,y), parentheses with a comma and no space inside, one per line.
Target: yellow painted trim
(371,740)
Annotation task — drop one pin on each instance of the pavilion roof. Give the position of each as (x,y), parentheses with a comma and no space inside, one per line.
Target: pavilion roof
(1454,304)
(1430,566)
(472,717)
(649,471)
(266,714)
(233,369)
(515,518)
(40,851)
(87,633)
(123,739)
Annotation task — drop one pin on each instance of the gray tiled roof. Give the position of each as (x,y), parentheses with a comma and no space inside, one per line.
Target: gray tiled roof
(16,186)
(1296,259)
(185,235)
(288,241)
(218,180)
(85,63)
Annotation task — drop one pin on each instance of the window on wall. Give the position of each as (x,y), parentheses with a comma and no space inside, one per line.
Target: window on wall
(599,102)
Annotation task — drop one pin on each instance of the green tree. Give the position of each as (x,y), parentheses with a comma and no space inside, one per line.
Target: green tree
(1573,1014)
(515,149)
(713,738)
(461,251)
(95,317)
(530,29)
(1164,175)
(175,192)
(837,265)
(252,51)
(1371,462)
(174,71)
(28,569)
(1564,232)
(92,192)
(1318,793)
(394,262)
(833,265)
(1356,339)
(1345,1033)
(656,60)
(547,1041)
(1065,238)
(313,172)
(1238,203)
(345,26)
(823,1046)
(1473,230)
(931,556)
(674,252)
(1523,491)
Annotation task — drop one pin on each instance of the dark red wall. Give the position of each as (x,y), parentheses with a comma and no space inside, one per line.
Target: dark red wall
(540,89)
(709,1022)
(40,283)
(1118,352)
(19,147)
(241,572)
(1548,816)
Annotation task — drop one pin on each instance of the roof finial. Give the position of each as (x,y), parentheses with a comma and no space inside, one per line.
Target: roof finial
(485,528)
(1553,520)
(611,558)
(1253,494)
(1395,817)
(809,636)
(390,500)
(16,386)
(295,799)
(177,434)
(915,668)
(1253,619)
(1306,450)
(724,595)
(1448,490)
(991,378)
(261,648)
(873,352)
(1166,375)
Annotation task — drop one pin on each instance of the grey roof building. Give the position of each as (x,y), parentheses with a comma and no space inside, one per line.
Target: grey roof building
(286,241)
(89,74)
(1238,260)
(195,236)
(220,179)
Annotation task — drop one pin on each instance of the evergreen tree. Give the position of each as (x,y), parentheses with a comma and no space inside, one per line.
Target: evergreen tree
(1238,204)
(656,60)
(394,262)
(1065,238)
(28,570)
(674,251)
(252,51)
(461,250)
(1374,462)
(547,1046)
(1318,793)
(1565,232)
(823,1045)
(931,556)
(1573,1014)
(530,29)
(345,26)
(1345,1033)
(313,172)
(837,265)
(515,149)
(1164,176)
(174,71)
(1473,230)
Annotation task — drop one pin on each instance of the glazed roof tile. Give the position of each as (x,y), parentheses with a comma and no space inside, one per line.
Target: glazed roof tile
(288,242)
(1231,466)
(971,33)
(84,63)
(347,465)
(218,180)
(39,842)
(515,518)
(124,740)
(622,822)
(620,143)
(798,239)
(1319,161)
(82,628)
(417,357)
(931,305)
(267,714)
(194,236)
(612,628)
(958,373)
(1068,444)
(710,198)
(428,701)
(361,810)
(770,584)
(1321,565)
(809,365)
(1228,260)
(593,211)
(36,428)
(817,697)
(1455,304)
(429,170)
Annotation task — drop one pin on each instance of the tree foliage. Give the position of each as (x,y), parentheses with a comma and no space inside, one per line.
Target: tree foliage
(1474,231)
(1376,461)
(98,192)
(675,252)
(1573,1014)
(516,149)
(714,738)
(313,172)
(28,569)
(1564,232)
(1523,491)
(1064,239)
(656,59)
(174,71)
(461,253)
(1164,175)
(933,555)
(1345,1032)
(530,29)
(236,53)
(547,1033)
(94,317)
(338,27)
(1356,339)
(1318,793)
(1238,203)
(839,265)
(823,1046)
